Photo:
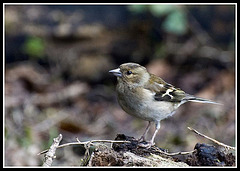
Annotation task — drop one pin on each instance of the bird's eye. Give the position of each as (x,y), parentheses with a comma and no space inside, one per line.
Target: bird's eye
(129,72)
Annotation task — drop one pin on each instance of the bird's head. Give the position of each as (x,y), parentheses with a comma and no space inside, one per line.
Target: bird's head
(131,73)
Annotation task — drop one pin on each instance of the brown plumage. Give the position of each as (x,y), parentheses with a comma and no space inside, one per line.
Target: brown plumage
(147,96)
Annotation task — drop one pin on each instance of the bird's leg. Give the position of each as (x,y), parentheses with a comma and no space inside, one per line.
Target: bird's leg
(151,143)
(142,138)
(155,133)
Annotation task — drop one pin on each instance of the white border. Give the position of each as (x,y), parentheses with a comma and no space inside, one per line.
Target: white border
(4,4)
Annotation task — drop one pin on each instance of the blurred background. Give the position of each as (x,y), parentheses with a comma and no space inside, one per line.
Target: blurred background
(57,59)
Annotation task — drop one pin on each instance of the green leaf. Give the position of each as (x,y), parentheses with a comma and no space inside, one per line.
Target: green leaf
(176,23)
(34,47)
(160,10)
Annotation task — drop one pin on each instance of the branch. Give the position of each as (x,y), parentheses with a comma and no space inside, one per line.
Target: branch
(211,139)
(48,157)
(84,143)
(174,153)
(178,153)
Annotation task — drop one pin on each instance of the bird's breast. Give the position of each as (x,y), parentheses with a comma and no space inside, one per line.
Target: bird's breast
(140,102)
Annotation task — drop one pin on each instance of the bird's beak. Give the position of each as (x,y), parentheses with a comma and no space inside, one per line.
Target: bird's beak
(116,72)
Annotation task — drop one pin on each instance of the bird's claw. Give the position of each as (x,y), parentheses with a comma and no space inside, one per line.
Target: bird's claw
(145,144)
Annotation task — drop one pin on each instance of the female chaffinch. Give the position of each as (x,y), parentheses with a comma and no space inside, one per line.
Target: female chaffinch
(149,97)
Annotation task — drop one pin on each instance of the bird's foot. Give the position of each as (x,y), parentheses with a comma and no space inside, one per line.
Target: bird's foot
(146,144)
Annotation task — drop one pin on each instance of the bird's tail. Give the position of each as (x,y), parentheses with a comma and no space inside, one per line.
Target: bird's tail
(200,100)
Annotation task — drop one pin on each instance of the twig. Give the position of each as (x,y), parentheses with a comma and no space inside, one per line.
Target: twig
(48,157)
(175,153)
(178,153)
(211,139)
(85,143)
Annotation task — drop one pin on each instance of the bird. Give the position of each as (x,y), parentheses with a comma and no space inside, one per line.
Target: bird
(149,97)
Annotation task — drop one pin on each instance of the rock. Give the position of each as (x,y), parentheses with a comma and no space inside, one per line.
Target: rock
(209,155)
(131,154)
(109,157)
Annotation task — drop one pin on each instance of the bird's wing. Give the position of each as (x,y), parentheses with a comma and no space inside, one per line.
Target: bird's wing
(164,91)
